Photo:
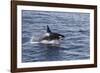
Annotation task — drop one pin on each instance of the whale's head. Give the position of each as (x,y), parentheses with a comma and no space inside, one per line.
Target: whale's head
(61,36)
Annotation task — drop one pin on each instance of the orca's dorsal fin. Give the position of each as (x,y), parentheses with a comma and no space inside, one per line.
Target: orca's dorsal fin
(48,29)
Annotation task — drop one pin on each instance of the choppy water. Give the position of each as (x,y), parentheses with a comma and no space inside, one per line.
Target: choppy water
(74,26)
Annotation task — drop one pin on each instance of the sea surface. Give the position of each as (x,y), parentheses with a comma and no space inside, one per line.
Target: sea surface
(74,26)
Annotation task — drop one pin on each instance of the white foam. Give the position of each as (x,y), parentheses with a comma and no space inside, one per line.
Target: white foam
(50,42)
(34,40)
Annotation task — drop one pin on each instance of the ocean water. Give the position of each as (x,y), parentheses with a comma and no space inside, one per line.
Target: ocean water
(74,26)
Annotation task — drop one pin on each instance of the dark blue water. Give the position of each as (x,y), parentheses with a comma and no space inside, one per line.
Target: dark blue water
(74,26)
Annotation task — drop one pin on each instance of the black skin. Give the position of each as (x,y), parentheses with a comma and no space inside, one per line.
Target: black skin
(53,36)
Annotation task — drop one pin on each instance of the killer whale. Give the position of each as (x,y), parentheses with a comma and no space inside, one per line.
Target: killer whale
(51,37)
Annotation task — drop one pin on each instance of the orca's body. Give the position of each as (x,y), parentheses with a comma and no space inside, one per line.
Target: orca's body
(51,37)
